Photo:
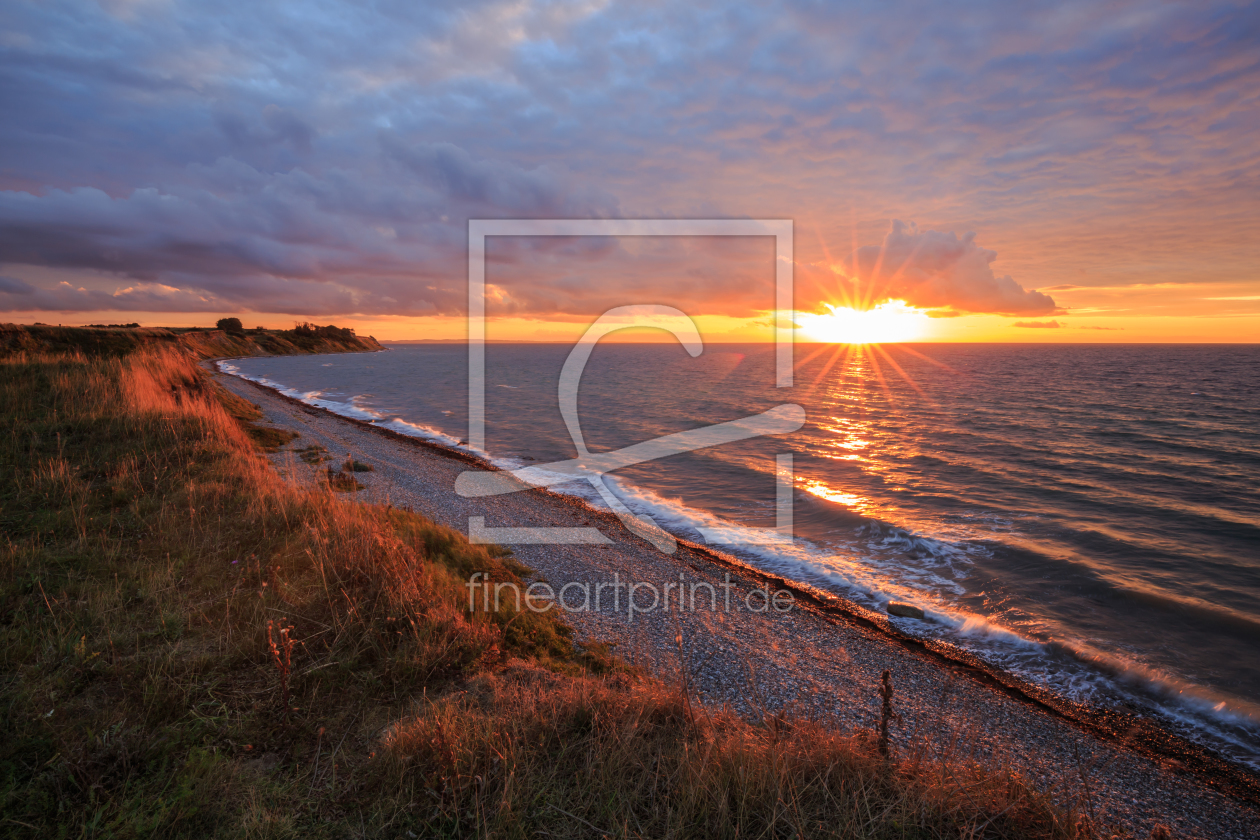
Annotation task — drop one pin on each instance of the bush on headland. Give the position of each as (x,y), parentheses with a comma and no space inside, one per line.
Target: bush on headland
(194,647)
(331,332)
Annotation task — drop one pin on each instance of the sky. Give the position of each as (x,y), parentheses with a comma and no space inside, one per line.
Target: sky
(985,171)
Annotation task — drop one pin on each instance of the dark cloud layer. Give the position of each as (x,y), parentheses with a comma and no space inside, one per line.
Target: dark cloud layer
(323,158)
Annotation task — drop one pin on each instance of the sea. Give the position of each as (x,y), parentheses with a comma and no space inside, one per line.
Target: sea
(1085,517)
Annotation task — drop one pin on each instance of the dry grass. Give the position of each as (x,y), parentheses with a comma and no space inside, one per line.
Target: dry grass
(271,439)
(523,749)
(313,454)
(192,647)
(341,481)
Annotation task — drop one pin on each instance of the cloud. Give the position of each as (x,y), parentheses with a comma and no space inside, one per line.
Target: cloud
(64,297)
(544,191)
(285,154)
(13,286)
(273,125)
(325,245)
(1038,325)
(935,270)
(317,245)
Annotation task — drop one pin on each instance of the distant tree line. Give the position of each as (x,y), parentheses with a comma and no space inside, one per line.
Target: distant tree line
(300,331)
(313,331)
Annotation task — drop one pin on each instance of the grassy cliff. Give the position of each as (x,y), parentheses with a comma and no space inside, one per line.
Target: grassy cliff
(191,647)
(203,344)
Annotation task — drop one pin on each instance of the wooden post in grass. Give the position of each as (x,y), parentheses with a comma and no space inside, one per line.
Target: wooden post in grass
(886,714)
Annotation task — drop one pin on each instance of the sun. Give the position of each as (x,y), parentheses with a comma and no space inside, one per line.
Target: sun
(892,321)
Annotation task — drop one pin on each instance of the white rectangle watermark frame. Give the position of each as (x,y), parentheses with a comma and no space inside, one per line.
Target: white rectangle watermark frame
(479,229)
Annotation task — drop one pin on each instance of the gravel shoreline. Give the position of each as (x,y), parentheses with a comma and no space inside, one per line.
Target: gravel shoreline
(811,660)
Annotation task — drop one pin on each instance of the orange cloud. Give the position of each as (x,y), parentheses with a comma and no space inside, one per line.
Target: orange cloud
(936,270)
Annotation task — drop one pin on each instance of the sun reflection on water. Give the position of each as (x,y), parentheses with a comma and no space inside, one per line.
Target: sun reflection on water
(858,503)
(867,390)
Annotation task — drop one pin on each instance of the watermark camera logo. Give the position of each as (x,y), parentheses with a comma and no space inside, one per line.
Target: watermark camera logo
(592,467)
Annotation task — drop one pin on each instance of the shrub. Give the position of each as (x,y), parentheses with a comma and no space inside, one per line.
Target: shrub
(306,330)
(232,325)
